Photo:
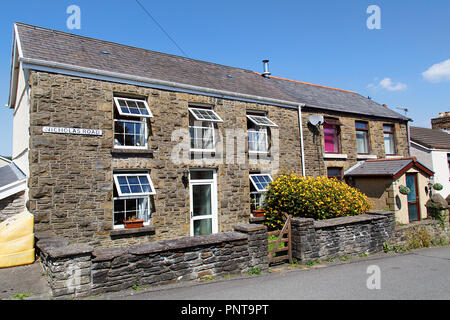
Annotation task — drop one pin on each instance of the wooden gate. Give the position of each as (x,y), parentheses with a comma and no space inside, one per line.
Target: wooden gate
(284,236)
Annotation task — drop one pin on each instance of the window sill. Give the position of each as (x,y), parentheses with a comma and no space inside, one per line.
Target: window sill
(146,230)
(135,152)
(366,156)
(393,157)
(335,156)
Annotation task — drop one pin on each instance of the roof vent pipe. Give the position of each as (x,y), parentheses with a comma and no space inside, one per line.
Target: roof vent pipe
(266,72)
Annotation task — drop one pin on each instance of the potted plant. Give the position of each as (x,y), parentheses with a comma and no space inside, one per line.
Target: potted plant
(133,222)
(404,190)
(438,186)
(258,212)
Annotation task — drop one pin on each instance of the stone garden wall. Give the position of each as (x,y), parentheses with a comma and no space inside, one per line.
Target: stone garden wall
(346,236)
(77,270)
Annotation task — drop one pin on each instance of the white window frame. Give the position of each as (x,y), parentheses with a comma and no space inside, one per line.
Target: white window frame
(267,141)
(253,118)
(145,146)
(259,175)
(211,127)
(219,119)
(213,138)
(133,195)
(121,226)
(116,101)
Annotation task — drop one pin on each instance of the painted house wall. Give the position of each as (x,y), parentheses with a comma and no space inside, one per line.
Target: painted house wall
(21,124)
(436,160)
(441,169)
(71,177)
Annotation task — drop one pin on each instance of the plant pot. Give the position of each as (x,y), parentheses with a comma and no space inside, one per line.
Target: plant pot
(258,213)
(131,224)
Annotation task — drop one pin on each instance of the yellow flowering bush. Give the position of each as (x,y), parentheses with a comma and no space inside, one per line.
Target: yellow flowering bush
(311,197)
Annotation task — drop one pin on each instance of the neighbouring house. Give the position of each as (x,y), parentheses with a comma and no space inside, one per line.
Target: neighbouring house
(341,128)
(108,134)
(13,189)
(432,148)
(442,122)
(381,180)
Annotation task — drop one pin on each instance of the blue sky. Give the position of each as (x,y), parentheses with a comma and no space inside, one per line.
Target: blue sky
(323,42)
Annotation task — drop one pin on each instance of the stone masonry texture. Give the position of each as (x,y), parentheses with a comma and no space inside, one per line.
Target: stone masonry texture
(71,176)
(315,163)
(12,205)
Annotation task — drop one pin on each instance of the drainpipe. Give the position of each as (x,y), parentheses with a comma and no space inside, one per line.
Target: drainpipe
(300,106)
(409,138)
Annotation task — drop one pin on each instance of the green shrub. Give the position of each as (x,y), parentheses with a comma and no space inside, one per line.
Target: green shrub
(318,198)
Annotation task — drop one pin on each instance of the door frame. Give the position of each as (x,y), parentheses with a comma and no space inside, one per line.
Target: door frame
(214,200)
(417,202)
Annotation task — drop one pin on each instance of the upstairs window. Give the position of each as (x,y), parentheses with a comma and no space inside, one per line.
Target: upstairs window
(201,129)
(331,134)
(258,130)
(389,142)
(362,137)
(132,197)
(130,123)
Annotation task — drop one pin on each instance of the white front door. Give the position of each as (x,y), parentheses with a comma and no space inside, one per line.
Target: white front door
(203,196)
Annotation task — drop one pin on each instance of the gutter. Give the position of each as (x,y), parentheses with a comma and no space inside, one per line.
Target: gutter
(42,65)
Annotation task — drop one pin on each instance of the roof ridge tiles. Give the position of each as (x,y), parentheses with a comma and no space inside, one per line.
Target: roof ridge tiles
(310,84)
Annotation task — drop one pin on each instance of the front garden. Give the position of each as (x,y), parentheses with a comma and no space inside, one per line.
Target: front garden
(311,197)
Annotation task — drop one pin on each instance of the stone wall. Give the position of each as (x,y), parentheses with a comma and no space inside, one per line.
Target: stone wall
(12,205)
(347,236)
(315,163)
(71,177)
(77,270)
(422,233)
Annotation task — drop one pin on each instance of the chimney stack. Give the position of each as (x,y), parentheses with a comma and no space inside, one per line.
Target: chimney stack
(266,72)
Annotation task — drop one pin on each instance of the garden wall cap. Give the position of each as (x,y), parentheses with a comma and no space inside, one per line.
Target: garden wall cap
(168,245)
(250,227)
(346,220)
(71,250)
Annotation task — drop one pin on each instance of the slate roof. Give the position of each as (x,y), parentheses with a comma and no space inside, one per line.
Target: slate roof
(315,96)
(56,46)
(430,138)
(70,49)
(386,167)
(10,174)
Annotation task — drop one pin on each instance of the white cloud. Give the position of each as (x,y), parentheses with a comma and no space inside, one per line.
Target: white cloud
(438,72)
(387,84)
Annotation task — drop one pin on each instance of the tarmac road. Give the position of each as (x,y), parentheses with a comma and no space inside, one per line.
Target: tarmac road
(420,274)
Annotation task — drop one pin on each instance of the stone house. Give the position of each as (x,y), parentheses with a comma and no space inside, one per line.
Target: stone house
(108,133)
(442,121)
(341,128)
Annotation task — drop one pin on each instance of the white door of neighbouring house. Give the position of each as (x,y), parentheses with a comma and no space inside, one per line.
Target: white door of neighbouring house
(203,199)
